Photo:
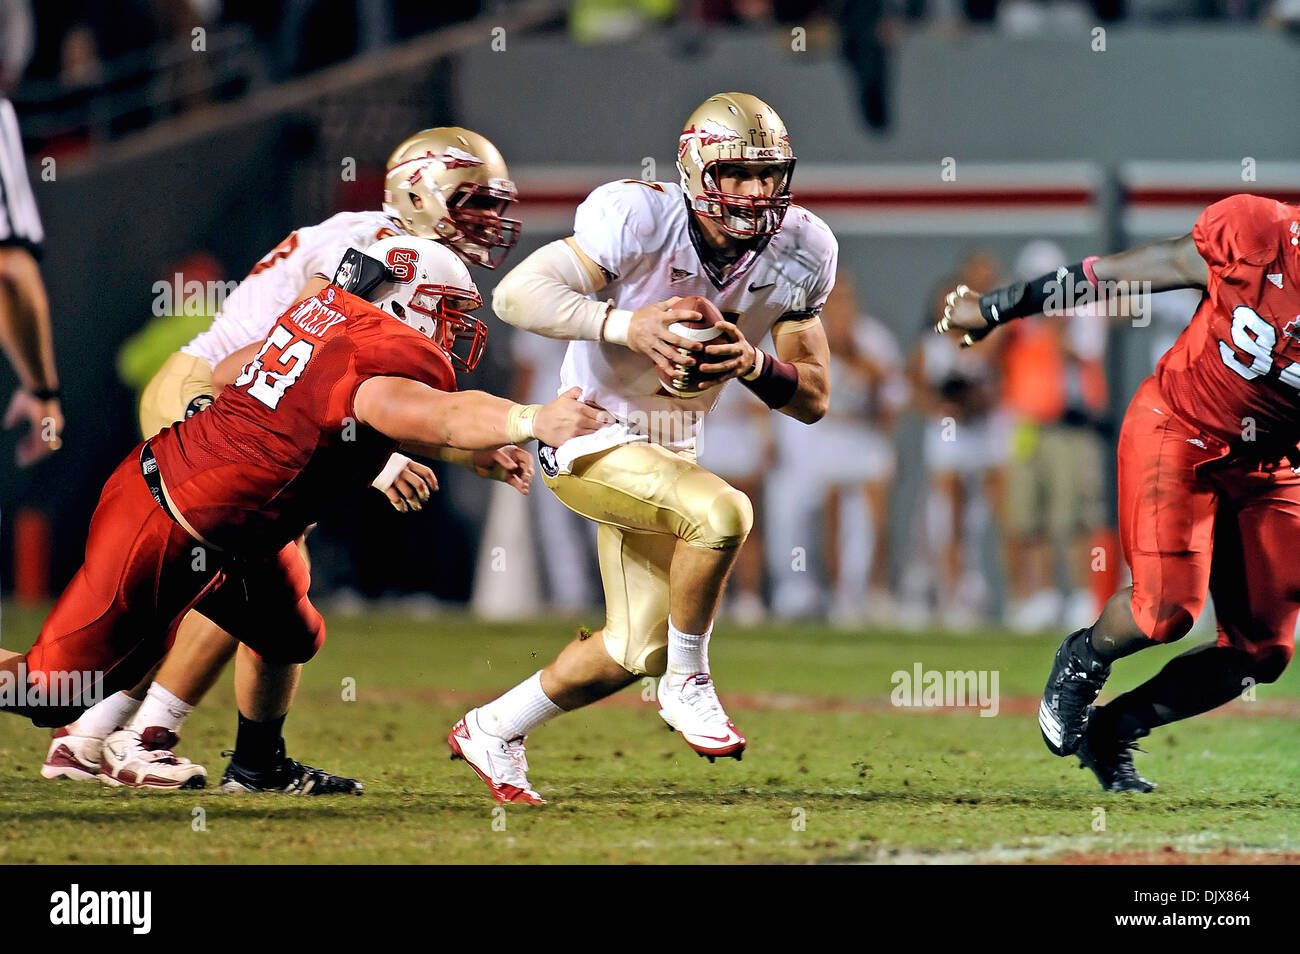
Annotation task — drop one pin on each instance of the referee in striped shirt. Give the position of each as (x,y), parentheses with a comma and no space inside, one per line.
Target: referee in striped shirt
(25,332)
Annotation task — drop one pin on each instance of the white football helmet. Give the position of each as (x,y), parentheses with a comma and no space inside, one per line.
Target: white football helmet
(430,289)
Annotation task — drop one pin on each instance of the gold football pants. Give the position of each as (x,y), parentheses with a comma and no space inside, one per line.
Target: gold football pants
(645,499)
(167,396)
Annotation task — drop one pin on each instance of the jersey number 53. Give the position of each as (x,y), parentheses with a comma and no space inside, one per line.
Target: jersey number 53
(292,355)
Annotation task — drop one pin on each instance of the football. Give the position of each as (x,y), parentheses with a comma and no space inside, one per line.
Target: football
(703,329)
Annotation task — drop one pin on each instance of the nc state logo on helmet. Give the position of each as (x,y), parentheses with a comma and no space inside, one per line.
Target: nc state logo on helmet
(736,128)
(451,185)
(424,284)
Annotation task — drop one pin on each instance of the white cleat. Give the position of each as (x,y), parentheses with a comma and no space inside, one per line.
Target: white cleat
(690,706)
(72,756)
(500,763)
(145,760)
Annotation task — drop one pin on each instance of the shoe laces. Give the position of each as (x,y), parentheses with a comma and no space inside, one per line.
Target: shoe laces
(516,763)
(1123,754)
(702,698)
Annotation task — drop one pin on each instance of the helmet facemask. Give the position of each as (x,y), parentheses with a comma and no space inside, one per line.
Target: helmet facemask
(745,216)
(482,234)
(441,313)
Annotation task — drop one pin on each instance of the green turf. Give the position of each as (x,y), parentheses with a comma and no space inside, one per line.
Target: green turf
(866,781)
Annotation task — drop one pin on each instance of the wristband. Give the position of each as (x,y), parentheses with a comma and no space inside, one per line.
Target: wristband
(753,373)
(47,394)
(519,423)
(775,383)
(1022,299)
(614,328)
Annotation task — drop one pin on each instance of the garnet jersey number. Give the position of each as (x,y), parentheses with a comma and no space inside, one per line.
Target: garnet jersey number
(291,355)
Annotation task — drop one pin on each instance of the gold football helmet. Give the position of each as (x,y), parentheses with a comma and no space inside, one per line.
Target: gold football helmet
(735,128)
(451,185)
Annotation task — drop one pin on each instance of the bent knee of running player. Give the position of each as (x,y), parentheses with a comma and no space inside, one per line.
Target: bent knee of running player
(265,606)
(720,521)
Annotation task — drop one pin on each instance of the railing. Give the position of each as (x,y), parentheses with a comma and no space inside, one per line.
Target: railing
(141,88)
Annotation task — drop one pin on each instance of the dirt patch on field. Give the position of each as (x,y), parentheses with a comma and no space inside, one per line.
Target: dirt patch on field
(1170,856)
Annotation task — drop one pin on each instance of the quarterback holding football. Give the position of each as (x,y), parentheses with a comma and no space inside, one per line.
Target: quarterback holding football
(620,290)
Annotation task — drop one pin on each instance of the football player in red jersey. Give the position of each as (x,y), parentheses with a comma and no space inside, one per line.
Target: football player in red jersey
(1209,479)
(448,184)
(338,384)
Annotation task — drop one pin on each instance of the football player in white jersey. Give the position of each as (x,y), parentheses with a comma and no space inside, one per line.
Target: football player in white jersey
(669,530)
(447,184)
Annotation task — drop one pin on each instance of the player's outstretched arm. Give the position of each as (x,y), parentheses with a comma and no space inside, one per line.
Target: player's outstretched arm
(28,342)
(412,412)
(1159,266)
(1166,265)
(547,293)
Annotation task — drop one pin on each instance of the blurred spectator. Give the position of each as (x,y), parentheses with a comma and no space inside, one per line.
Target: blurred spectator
(828,495)
(17,41)
(736,444)
(1054,386)
(851,459)
(863,47)
(1025,17)
(565,543)
(186,293)
(615,21)
(1285,14)
(965,446)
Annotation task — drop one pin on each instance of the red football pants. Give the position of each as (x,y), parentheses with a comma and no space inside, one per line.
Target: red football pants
(143,572)
(1189,526)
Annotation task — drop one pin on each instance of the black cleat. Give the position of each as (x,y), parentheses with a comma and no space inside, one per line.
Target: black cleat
(288,778)
(1072,688)
(1111,760)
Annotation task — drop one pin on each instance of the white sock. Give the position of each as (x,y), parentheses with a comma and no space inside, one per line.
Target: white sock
(105,716)
(687,653)
(518,712)
(161,708)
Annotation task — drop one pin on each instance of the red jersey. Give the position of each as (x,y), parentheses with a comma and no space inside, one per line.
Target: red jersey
(282,444)
(1234,373)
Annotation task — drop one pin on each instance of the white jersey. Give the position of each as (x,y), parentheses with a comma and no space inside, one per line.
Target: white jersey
(639,233)
(275,282)
(852,401)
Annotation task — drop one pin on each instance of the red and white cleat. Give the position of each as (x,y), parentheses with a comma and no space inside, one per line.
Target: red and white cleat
(690,706)
(145,760)
(500,763)
(72,756)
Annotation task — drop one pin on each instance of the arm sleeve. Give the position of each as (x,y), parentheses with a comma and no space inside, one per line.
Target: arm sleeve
(547,293)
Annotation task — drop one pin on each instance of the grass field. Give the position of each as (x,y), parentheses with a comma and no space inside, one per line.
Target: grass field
(833,773)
